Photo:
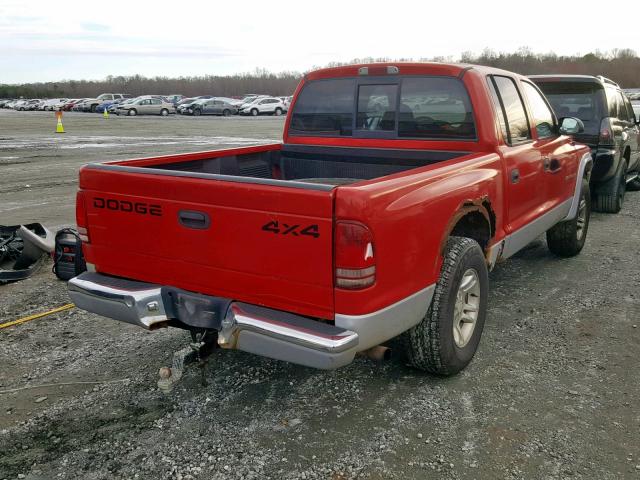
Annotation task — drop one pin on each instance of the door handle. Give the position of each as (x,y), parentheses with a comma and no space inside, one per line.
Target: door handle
(193,219)
(551,165)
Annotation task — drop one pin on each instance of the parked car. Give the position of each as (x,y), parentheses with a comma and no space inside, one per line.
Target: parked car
(71,103)
(259,106)
(32,104)
(174,99)
(91,104)
(187,101)
(361,226)
(246,99)
(611,131)
(51,104)
(108,104)
(20,105)
(113,108)
(146,106)
(210,106)
(286,101)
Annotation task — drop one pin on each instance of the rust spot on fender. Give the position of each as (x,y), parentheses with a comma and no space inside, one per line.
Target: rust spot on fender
(481,206)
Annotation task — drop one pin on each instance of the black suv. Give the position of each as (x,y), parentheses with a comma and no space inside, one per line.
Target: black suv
(610,129)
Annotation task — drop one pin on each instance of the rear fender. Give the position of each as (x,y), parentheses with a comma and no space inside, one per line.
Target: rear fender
(480,205)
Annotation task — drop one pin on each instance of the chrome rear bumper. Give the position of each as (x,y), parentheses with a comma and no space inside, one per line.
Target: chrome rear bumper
(250,328)
(125,300)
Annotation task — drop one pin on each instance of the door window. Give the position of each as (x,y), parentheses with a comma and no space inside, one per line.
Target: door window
(517,123)
(632,115)
(623,114)
(612,102)
(499,110)
(540,111)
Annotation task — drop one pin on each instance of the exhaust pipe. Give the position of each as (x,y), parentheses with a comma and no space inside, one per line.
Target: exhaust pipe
(378,353)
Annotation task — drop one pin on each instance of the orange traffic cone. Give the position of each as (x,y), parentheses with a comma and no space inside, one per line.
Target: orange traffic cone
(59,127)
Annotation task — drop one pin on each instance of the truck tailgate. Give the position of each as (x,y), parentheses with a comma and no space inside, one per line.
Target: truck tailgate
(263,244)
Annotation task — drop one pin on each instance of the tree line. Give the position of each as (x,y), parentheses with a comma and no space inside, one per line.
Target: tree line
(621,65)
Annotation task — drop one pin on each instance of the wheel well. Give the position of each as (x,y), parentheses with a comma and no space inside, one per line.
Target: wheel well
(474,225)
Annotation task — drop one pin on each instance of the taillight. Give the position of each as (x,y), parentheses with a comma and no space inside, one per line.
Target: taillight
(354,256)
(81,217)
(606,132)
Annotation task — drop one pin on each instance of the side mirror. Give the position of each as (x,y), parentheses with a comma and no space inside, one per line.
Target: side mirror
(571,126)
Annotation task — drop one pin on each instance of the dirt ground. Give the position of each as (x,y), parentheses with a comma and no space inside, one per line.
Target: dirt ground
(552,393)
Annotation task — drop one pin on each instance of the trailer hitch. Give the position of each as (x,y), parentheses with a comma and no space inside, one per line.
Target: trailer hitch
(202,345)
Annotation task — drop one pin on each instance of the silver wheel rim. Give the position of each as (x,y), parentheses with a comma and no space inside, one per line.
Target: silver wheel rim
(465,312)
(581,221)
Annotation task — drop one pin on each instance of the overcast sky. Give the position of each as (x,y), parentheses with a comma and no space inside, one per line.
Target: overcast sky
(55,39)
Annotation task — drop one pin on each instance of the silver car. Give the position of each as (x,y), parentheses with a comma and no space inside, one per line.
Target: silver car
(146,106)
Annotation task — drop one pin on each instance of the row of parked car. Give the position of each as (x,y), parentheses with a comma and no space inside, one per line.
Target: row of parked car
(124,104)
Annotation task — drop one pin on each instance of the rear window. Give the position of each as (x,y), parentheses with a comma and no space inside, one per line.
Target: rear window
(583,100)
(435,108)
(409,107)
(325,107)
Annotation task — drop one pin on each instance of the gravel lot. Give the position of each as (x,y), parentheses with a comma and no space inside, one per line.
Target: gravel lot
(552,393)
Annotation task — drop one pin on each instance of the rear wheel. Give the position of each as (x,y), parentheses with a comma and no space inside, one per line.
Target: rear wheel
(447,338)
(610,195)
(226,112)
(278,112)
(164,112)
(132,113)
(254,112)
(566,239)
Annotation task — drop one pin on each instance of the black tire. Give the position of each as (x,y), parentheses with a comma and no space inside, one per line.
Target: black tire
(197,112)
(164,112)
(430,345)
(566,239)
(254,112)
(278,112)
(226,112)
(93,108)
(132,112)
(610,195)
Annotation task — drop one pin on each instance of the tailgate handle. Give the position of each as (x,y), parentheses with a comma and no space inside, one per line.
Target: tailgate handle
(193,219)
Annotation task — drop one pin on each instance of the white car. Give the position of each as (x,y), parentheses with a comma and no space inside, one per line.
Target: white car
(51,103)
(20,105)
(286,101)
(263,105)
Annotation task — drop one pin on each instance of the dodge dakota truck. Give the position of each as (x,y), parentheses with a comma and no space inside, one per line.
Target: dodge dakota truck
(396,188)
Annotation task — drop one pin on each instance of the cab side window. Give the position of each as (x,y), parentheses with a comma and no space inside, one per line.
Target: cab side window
(517,123)
(499,111)
(540,111)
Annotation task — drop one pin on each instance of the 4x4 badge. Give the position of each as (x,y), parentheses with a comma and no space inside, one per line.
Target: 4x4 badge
(295,230)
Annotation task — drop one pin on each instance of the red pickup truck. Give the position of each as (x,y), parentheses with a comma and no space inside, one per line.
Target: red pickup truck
(395,189)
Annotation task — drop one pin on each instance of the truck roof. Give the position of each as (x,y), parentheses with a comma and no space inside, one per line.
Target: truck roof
(574,78)
(402,68)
